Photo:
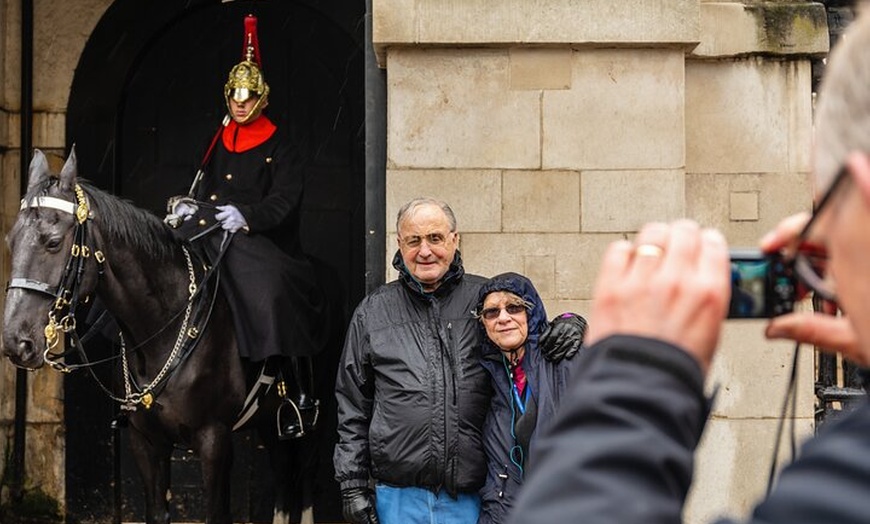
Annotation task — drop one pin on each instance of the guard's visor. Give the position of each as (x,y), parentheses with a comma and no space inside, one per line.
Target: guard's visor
(241,94)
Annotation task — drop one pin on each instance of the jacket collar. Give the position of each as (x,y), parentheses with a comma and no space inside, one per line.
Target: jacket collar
(451,278)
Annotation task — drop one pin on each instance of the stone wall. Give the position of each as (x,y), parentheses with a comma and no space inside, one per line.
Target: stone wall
(555,127)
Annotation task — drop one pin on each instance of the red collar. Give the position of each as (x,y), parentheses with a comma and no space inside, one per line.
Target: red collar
(238,139)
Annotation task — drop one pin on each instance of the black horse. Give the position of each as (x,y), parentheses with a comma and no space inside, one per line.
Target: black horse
(185,383)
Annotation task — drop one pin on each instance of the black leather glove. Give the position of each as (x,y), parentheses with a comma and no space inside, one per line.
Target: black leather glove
(358,506)
(563,337)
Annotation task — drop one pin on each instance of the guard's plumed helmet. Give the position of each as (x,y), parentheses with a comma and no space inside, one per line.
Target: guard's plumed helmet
(246,77)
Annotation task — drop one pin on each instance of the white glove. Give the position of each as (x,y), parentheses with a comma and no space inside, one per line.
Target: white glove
(231,218)
(179,209)
(184,210)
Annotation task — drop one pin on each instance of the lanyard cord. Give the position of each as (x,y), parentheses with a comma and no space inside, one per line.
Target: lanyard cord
(516,453)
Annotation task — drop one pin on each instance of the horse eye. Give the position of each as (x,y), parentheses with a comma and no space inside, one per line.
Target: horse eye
(53,244)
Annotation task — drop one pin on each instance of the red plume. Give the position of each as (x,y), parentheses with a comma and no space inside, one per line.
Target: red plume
(251,40)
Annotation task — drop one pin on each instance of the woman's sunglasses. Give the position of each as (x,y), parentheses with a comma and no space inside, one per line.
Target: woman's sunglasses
(492,313)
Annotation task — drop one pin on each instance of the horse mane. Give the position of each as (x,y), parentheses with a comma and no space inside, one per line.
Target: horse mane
(122,222)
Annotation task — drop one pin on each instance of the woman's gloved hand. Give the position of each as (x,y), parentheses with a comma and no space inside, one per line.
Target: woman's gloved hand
(563,337)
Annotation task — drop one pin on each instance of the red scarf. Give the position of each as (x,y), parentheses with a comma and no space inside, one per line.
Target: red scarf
(238,139)
(520,377)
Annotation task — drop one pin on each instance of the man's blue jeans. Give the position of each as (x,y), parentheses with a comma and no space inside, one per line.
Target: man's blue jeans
(421,506)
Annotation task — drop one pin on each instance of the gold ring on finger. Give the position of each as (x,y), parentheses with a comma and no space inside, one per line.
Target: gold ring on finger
(649,250)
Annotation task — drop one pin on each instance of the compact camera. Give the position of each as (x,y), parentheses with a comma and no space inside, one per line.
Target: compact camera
(762,285)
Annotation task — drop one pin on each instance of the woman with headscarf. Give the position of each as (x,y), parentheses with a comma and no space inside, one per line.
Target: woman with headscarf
(526,386)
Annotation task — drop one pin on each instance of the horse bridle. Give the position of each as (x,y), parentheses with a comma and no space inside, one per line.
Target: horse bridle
(66,293)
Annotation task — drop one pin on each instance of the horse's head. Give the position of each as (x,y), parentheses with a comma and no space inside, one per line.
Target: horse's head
(48,266)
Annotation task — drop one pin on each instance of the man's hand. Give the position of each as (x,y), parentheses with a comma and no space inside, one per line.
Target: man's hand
(563,337)
(672,284)
(830,333)
(358,506)
(230,218)
(834,334)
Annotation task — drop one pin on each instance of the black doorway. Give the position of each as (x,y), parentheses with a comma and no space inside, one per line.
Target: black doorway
(145,100)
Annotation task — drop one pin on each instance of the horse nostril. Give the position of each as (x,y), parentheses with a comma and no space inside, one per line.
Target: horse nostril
(25,346)
(15,346)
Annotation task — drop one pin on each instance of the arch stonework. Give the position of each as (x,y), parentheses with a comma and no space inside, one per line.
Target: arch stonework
(551,127)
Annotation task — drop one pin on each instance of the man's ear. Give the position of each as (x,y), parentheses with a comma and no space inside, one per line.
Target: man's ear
(859,169)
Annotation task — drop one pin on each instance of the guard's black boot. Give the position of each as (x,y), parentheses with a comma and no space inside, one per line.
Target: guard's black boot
(299,410)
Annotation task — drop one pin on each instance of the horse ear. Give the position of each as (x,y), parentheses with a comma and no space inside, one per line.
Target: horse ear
(69,172)
(38,171)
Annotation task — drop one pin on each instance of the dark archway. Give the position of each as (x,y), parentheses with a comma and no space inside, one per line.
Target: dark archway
(145,100)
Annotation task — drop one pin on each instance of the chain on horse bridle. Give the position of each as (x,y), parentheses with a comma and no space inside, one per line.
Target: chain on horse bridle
(66,293)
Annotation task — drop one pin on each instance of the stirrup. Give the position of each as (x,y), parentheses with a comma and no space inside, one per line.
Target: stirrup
(301,429)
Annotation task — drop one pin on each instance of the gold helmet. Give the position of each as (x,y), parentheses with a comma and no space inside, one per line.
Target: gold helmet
(246,78)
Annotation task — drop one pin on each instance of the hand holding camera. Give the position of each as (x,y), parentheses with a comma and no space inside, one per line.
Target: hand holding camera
(825,329)
(671,284)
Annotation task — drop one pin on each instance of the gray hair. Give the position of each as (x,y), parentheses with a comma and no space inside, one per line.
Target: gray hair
(843,112)
(406,210)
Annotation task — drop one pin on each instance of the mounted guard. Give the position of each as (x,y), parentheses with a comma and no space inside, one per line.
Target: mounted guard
(243,207)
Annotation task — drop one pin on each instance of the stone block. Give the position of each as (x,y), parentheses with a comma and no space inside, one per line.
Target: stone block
(543,201)
(45,397)
(576,257)
(5,129)
(750,115)
(393,22)
(731,466)
(624,111)
(779,195)
(753,372)
(558,306)
(474,196)
(7,391)
(49,130)
(44,462)
(10,56)
(533,68)
(455,109)
(399,23)
(743,205)
(613,201)
(10,188)
(785,28)
(541,270)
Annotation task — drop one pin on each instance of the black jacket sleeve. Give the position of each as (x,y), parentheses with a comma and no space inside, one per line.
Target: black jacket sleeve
(354,392)
(621,449)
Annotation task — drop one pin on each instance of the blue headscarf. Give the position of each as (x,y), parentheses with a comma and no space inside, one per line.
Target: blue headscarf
(523,288)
